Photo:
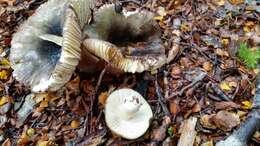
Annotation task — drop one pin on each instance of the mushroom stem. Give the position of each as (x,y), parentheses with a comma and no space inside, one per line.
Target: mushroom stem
(130,107)
(112,54)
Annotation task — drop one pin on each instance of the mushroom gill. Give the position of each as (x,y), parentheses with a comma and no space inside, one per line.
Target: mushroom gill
(39,57)
(129,41)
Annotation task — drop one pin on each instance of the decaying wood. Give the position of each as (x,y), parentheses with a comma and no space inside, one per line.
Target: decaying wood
(188,133)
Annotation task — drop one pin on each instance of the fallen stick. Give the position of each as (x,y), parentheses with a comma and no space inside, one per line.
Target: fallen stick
(241,136)
(188,133)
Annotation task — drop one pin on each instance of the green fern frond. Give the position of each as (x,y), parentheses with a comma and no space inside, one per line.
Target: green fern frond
(249,56)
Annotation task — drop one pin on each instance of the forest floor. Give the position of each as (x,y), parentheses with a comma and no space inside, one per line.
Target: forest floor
(206,81)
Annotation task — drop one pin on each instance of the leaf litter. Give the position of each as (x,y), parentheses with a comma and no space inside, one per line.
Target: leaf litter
(208,79)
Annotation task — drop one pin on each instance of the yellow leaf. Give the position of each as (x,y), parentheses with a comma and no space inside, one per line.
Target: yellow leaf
(46,143)
(3,75)
(236,2)
(3,100)
(225,41)
(30,132)
(249,24)
(5,62)
(220,2)
(24,139)
(74,124)
(247,105)
(256,71)
(246,29)
(44,103)
(102,98)
(185,26)
(158,18)
(225,86)
(40,97)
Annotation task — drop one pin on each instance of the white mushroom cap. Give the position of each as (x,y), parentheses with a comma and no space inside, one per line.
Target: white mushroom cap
(127,114)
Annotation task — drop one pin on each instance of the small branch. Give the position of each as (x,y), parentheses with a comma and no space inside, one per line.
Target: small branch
(197,79)
(219,92)
(188,133)
(100,79)
(160,98)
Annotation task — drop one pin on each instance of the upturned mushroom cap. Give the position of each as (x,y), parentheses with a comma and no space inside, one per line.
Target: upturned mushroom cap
(46,49)
(119,34)
(127,114)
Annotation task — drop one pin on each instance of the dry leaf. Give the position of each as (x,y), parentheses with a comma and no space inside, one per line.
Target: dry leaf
(158,18)
(236,2)
(7,142)
(225,41)
(247,105)
(225,120)
(220,2)
(23,140)
(225,86)
(5,62)
(9,2)
(207,66)
(40,97)
(3,100)
(226,105)
(206,121)
(74,124)
(44,103)
(196,108)
(4,75)
(30,132)
(102,98)
(174,107)
(221,52)
(46,143)
(208,143)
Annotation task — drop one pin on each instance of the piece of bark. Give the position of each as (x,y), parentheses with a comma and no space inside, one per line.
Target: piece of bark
(241,136)
(188,133)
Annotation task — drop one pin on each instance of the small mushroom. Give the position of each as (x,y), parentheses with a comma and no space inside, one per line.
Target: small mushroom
(46,49)
(113,35)
(127,114)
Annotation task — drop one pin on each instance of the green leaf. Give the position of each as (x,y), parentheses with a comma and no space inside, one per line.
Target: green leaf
(170,131)
(249,56)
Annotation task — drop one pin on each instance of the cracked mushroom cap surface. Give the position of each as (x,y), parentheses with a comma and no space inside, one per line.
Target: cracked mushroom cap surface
(130,41)
(127,114)
(46,48)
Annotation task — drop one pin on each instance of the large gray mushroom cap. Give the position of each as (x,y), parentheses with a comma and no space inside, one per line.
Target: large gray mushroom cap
(39,57)
(112,35)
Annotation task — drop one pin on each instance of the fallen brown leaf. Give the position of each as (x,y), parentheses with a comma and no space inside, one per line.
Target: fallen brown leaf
(225,120)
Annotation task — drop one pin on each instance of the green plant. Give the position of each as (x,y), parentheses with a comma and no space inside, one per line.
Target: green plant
(249,56)
(170,131)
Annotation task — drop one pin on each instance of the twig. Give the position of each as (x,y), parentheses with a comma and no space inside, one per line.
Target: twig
(160,97)
(100,79)
(219,92)
(166,85)
(201,76)
(197,79)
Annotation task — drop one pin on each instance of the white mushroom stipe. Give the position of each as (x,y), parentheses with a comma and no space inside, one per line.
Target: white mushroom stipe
(127,114)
